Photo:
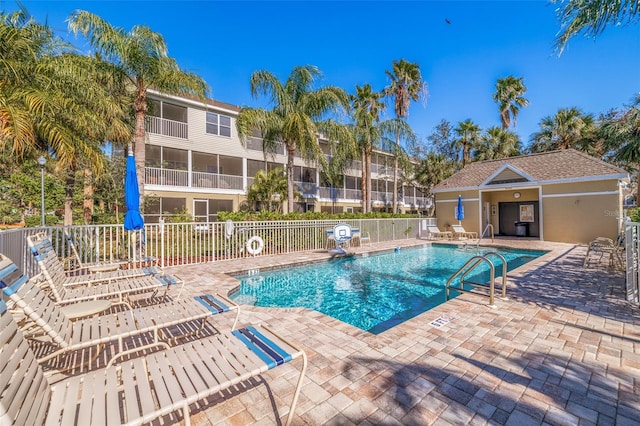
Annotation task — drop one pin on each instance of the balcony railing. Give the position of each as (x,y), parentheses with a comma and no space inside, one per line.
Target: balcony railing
(216,181)
(162,126)
(340,193)
(168,177)
(307,189)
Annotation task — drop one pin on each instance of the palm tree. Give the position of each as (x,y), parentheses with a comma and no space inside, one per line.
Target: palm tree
(568,128)
(141,58)
(497,143)
(298,116)
(509,96)
(406,86)
(367,106)
(268,191)
(468,134)
(624,131)
(592,17)
(433,169)
(54,101)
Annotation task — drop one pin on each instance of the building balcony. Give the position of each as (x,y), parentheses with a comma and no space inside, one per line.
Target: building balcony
(202,180)
(162,126)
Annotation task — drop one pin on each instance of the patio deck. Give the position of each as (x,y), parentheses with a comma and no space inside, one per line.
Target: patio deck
(565,349)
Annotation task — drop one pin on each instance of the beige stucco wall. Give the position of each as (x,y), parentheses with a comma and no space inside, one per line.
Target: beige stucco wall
(570,212)
(190,196)
(581,218)
(445,210)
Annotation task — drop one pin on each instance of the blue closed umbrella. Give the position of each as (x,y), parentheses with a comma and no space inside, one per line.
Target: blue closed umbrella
(132,219)
(459,209)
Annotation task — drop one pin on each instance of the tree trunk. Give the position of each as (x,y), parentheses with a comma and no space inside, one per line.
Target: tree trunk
(395,174)
(363,180)
(465,153)
(638,188)
(87,205)
(291,152)
(69,184)
(140,105)
(368,173)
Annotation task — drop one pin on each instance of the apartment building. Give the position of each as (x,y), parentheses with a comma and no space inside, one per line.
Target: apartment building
(196,163)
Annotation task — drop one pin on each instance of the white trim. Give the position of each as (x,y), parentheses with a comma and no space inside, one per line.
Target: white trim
(509,188)
(540,214)
(456,200)
(586,179)
(182,189)
(202,105)
(579,194)
(521,185)
(503,168)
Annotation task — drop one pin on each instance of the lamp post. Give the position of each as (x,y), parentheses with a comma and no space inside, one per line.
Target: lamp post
(42,161)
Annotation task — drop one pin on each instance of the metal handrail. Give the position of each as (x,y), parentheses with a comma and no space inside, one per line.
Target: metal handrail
(504,271)
(489,226)
(473,263)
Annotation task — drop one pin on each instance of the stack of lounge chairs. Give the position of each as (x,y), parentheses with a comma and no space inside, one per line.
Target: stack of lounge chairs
(147,374)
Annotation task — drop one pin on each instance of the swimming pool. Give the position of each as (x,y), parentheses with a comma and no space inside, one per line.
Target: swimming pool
(373,293)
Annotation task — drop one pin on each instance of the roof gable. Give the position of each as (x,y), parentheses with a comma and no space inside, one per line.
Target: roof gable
(507,174)
(563,166)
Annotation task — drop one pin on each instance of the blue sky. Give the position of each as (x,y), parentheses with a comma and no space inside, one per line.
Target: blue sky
(353,43)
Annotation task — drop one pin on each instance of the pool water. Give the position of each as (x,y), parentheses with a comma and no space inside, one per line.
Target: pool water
(372,293)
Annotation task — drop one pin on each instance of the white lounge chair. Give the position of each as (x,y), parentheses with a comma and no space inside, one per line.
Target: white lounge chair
(139,390)
(460,233)
(44,318)
(67,290)
(41,243)
(433,232)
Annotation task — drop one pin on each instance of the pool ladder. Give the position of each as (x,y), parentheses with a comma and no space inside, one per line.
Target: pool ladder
(469,266)
(489,228)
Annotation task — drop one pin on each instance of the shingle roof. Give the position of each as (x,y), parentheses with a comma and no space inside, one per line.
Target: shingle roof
(567,164)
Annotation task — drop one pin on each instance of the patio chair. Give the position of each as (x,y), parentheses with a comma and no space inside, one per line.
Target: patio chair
(433,232)
(43,317)
(606,246)
(41,244)
(460,233)
(139,390)
(66,290)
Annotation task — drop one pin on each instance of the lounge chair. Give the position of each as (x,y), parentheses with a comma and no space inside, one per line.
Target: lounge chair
(44,317)
(460,233)
(603,246)
(67,290)
(139,390)
(90,274)
(433,232)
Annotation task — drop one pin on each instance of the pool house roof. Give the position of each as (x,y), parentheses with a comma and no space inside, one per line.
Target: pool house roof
(565,166)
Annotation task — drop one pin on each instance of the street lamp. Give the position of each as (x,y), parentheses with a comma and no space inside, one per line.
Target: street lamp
(42,161)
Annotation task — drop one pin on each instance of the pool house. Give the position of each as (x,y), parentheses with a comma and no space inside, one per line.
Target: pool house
(562,196)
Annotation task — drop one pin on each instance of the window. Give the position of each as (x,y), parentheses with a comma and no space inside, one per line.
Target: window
(218,124)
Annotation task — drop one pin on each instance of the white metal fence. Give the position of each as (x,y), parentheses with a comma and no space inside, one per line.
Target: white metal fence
(632,249)
(170,244)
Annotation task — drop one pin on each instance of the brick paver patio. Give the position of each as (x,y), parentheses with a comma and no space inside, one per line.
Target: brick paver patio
(564,349)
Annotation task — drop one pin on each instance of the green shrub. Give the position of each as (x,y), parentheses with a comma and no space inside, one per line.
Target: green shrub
(34,221)
(634,214)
